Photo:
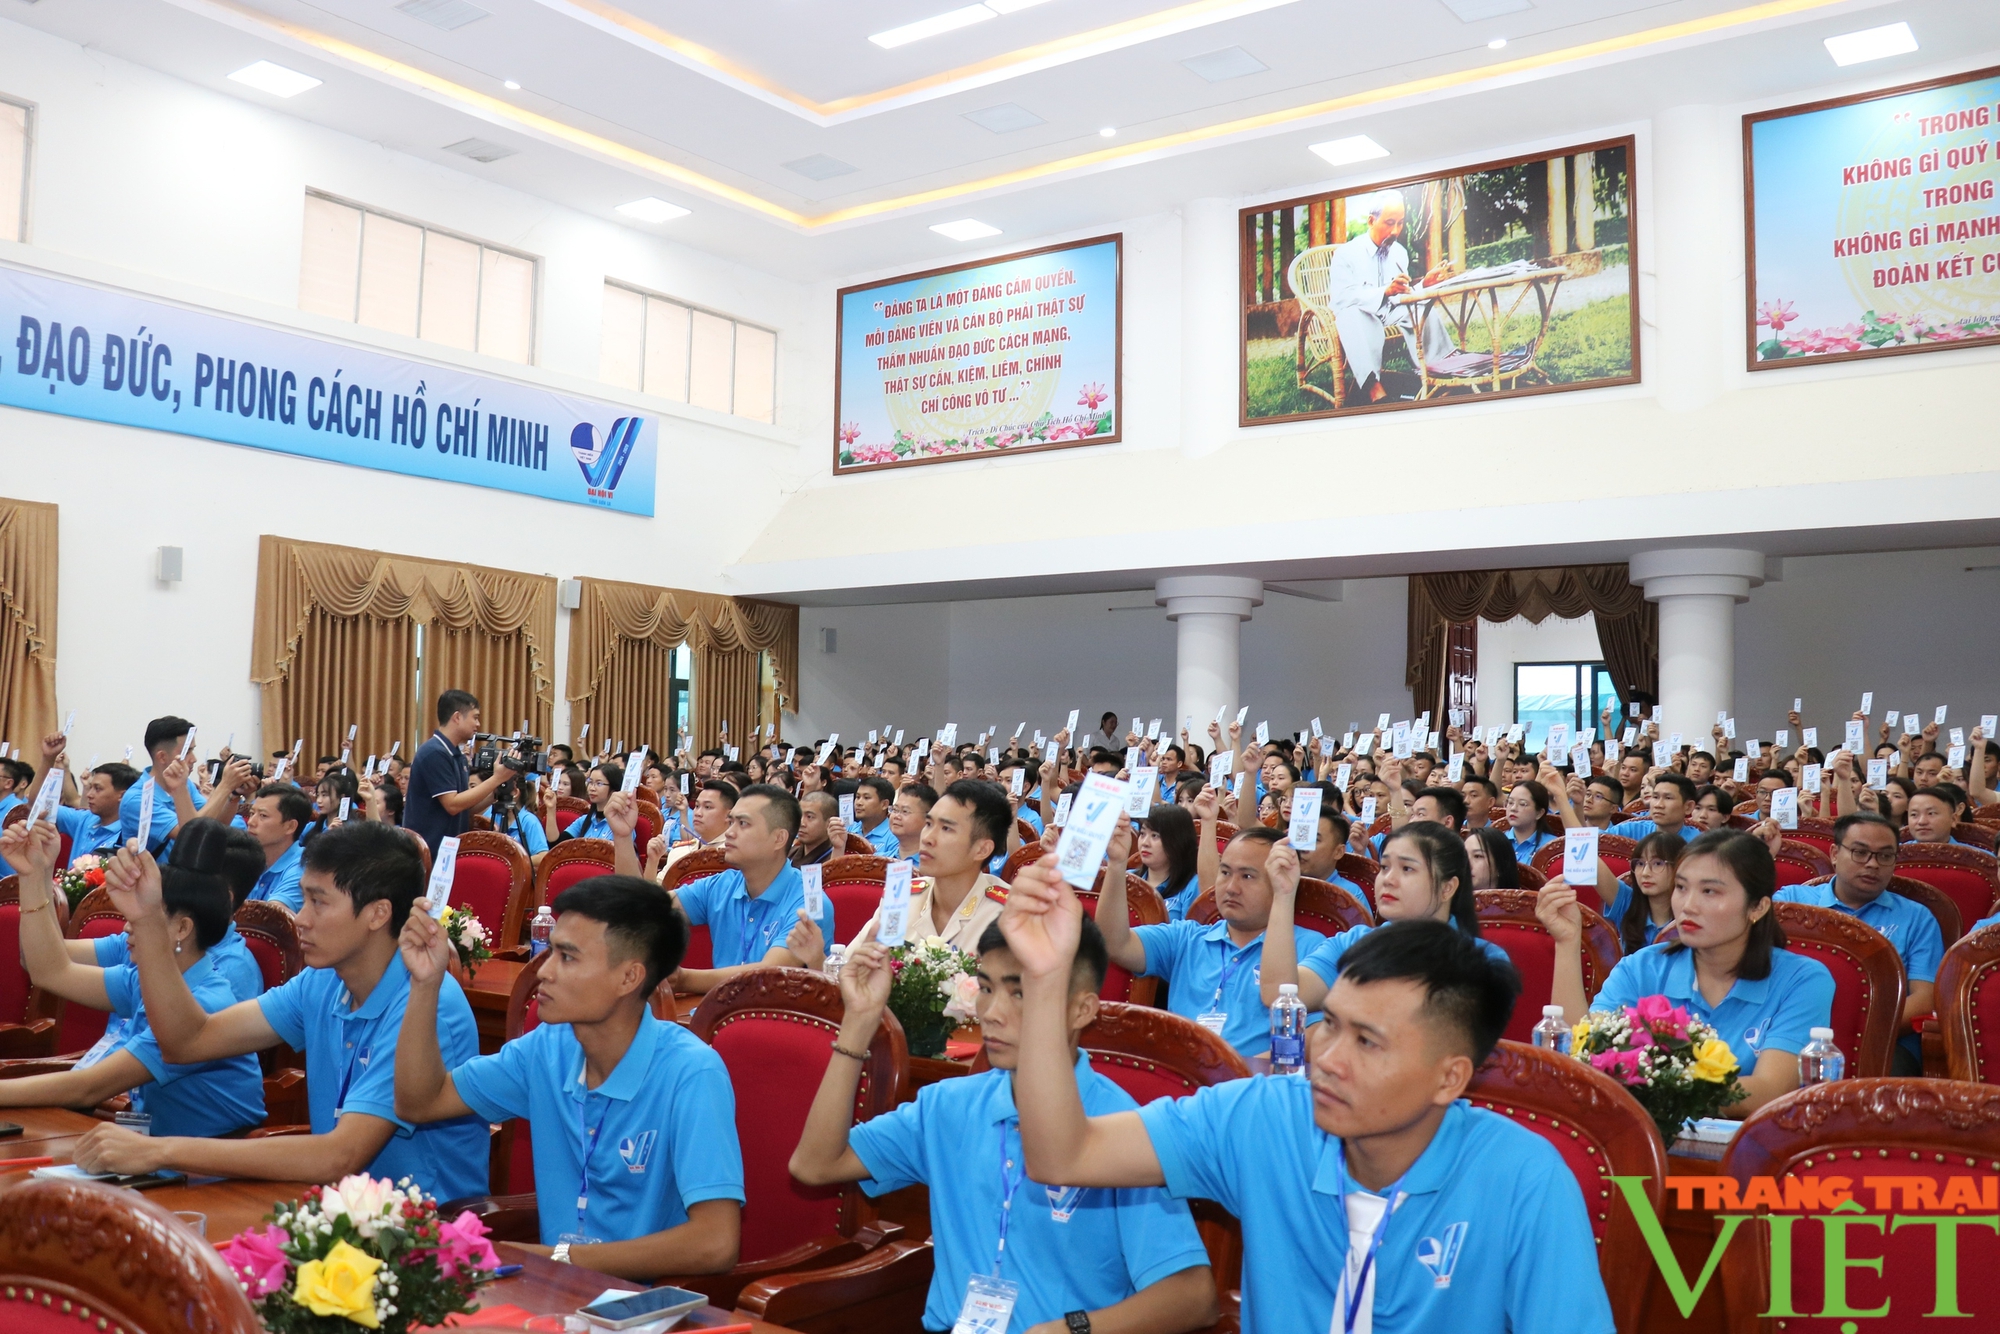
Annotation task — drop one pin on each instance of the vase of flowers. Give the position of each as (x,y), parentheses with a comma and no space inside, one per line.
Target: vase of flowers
(80,877)
(1675,1065)
(368,1252)
(932,992)
(468,937)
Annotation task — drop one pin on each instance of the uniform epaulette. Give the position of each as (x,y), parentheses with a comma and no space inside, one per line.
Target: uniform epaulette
(997,892)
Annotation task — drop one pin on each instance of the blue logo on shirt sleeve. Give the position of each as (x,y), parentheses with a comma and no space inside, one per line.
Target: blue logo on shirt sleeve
(637,1151)
(1440,1255)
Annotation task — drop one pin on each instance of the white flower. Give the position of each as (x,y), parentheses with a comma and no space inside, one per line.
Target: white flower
(363,1198)
(475,931)
(961,995)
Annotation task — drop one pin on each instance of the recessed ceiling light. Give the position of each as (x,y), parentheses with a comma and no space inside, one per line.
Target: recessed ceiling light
(275,79)
(1232,62)
(1496,44)
(965,229)
(650,209)
(1109,132)
(946,22)
(511,86)
(1354,148)
(1853,48)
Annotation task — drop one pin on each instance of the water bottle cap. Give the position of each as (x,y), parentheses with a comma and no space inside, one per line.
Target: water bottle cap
(1287,989)
(1822,1034)
(1552,1012)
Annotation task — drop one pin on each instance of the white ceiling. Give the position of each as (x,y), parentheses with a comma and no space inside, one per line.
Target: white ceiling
(705,104)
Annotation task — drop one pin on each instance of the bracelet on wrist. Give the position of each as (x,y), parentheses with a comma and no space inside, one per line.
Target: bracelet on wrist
(851,1055)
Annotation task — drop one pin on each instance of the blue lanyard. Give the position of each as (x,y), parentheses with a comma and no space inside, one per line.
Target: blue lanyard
(1229,968)
(1360,1288)
(1010,1181)
(589,1145)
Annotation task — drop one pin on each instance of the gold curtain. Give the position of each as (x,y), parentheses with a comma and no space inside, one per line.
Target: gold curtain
(619,660)
(1628,626)
(28,622)
(488,631)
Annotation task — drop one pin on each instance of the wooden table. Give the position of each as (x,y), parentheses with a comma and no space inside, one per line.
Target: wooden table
(549,1289)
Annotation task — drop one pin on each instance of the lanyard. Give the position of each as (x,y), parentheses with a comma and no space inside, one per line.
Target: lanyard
(1391,1198)
(589,1144)
(1229,968)
(1010,1181)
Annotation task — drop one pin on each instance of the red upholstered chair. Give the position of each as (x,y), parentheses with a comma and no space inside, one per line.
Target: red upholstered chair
(1530,878)
(1799,862)
(1025,855)
(1818,833)
(1362,871)
(1028,832)
(1320,906)
(858,846)
(1143,907)
(568,862)
(492,879)
(568,808)
(1224,833)
(79,1026)
(697,865)
(423,850)
(1868,980)
(66,843)
(1507,918)
(647,827)
(512,1166)
(1601,1131)
(272,936)
(77,1256)
(1613,850)
(27,1022)
(1933,1130)
(1969,876)
(854,886)
(1968,989)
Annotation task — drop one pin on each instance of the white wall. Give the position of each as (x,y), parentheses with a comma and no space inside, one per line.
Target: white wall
(149,184)
(1505,643)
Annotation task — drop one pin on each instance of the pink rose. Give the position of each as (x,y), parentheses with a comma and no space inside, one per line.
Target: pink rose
(257,1258)
(462,1246)
(1620,1065)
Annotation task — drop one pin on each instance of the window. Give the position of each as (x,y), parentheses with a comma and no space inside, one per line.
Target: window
(405,278)
(689,355)
(1576,693)
(17,124)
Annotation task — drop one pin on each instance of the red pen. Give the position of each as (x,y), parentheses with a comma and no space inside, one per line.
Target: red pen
(9,1164)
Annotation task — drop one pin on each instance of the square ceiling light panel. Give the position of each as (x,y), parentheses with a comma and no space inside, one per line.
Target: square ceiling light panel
(1232,62)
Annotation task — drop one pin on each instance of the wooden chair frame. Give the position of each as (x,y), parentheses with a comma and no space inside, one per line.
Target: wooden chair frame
(1881,966)
(700,863)
(1911,856)
(1516,907)
(273,923)
(520,887)
(1025,855)
(1615,844)
(1966,965)
(1792,852)
(597,851)
(1316,898)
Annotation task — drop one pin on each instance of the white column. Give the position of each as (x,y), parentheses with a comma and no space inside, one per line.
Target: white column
(1209,320)
(1697,590)
(1209,611)
(1692,276)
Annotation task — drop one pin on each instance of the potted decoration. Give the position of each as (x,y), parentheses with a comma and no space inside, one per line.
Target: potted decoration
(932,992)
(368,1252)
(1675,1065)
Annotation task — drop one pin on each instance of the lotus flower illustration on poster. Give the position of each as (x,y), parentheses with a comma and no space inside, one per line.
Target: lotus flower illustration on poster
(1010,354)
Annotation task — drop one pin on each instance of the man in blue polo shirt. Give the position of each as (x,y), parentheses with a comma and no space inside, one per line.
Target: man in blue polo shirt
(637,1169)
(163,744)
(1212,971)
(277,816)
(1450,1217)
(439,795)
(750,908)
(872,798)
(1864,862)
(344,1010)
(1673,798)
(1123,1259)
(94,827)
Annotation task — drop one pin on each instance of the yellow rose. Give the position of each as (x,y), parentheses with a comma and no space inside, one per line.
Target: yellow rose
(343,1284)
(1577,1034)
(1713,1061)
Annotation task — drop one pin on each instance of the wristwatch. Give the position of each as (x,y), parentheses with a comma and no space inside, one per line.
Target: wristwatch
(561,1256)
(1078,1322)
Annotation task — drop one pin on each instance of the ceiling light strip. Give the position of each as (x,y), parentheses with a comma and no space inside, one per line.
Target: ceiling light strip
(610,19)
(496,111)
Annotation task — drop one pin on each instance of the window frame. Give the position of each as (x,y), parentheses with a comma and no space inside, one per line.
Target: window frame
(479,282)
(30,124)
(736,324)
(1586,696)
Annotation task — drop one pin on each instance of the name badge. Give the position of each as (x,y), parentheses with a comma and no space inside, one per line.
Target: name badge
(1214,1021)
(989,1306)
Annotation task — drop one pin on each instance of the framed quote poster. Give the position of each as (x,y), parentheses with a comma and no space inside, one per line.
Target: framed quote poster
(1006,355)
(1871,227)
(1498,280)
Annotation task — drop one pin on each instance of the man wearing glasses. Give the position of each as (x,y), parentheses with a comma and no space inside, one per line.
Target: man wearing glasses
(1864,861)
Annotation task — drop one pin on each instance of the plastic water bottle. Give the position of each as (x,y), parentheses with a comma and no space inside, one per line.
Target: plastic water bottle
(1288,1032)
(1820,1062)
(1552,1032)
(836,955)
(540,930)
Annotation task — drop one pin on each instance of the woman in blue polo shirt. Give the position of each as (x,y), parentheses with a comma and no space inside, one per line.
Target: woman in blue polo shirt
(207,1099)
(1729,966)
(1169,857)
(606,777)
(1526,804)
(1425,876)
(1642,904)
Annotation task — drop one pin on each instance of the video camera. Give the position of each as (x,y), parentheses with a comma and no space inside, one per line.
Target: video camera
(522,754)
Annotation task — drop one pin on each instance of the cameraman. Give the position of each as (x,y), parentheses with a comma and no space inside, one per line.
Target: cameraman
(439,795)
(513,815)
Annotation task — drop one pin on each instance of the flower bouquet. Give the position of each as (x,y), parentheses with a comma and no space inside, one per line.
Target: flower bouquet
(80,877)
(932,992)
(467,935)
(1674,1064)
(364,1252)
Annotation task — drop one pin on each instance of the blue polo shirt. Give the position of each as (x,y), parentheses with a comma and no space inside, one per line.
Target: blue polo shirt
(231,956)
(165,817)
(1205,971)
(742,929)
(1775,1013)
(1491,1236)
(280,881)
(1638,829)
(1181,900)
(529,834)
(658,1135)
(204,1100)
(591,824)
(1325,960)
(1069,1249)
(1526,848)
(87,834)
(351,1067)
(1905,923)
(1623,900)
(883,839)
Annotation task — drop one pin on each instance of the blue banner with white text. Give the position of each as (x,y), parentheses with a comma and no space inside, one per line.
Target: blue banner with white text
(110,356)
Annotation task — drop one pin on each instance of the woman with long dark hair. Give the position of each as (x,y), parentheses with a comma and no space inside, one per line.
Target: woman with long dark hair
(1491,854)
(1169,857)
